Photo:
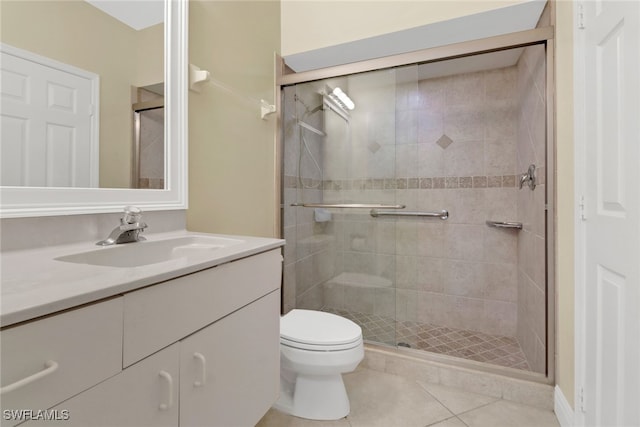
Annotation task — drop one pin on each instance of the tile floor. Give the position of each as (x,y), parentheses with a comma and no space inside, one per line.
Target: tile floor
(386,400)
(470,345)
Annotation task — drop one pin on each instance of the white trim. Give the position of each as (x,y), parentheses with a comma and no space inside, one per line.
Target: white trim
(580,174)
(30,202)
(562,409)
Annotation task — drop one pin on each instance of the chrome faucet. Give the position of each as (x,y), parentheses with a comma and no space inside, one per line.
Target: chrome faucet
(528,178)
(129,229)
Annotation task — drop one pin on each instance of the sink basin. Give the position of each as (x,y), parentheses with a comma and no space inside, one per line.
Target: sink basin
(147,252)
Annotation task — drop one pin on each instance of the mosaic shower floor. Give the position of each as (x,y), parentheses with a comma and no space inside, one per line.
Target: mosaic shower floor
(470,345)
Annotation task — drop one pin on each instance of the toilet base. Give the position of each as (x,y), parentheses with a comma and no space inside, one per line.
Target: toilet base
(314,397)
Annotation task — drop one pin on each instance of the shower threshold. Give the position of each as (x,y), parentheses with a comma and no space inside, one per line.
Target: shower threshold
(465,344)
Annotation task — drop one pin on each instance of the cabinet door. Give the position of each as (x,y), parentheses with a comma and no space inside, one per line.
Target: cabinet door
(230,371)
(145,394)
(47,361)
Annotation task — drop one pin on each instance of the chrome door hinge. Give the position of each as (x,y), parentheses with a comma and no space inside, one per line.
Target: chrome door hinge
(582,208)
(580,17)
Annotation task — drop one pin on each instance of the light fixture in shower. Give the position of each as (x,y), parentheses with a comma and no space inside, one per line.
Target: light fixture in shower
(337,101)
(343,98)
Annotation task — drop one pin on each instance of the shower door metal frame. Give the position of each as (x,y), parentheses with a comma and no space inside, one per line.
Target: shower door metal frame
(285,76)
(138,109)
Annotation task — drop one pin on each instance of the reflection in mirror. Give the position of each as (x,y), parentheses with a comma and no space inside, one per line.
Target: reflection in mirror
(148,148)
(70,76)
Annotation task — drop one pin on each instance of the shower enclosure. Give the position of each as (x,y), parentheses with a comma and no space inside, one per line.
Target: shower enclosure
(147,169)
(421,211)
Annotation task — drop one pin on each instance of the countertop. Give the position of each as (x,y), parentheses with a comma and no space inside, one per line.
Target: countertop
(35,284)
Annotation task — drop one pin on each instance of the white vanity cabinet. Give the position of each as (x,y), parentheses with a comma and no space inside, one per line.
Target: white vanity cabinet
(229,371)
(48,360)
(143,395)
(197,350)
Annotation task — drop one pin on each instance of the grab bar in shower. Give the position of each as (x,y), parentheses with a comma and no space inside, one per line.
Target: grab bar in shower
(443,214)
(501,224)
(349,205)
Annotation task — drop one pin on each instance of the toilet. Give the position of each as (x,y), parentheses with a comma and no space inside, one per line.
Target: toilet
(316,348)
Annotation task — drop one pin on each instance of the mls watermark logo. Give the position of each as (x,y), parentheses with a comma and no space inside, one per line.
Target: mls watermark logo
(35,414)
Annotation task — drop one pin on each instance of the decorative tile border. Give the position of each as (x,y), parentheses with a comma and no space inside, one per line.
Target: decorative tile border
(409,183)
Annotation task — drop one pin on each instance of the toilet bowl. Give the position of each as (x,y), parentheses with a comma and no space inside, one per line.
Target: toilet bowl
(316,348)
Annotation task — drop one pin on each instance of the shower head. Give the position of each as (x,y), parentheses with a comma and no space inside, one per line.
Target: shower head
(332,105)
(318,108)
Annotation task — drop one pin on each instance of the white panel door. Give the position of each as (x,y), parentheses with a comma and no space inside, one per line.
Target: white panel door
(49,126)
(611,43)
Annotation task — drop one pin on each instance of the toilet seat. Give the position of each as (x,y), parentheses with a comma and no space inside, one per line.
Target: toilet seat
(312,347)
(318,331)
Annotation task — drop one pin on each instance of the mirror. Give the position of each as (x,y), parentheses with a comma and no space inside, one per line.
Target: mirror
(142,92)
(67,101)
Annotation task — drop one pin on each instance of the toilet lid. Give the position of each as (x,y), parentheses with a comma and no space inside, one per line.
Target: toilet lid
(318,328)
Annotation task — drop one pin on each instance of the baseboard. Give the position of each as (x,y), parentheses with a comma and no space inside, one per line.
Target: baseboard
(562,408)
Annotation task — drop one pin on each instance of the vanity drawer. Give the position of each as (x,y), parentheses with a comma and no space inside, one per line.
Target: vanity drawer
(49,360)
(160,315)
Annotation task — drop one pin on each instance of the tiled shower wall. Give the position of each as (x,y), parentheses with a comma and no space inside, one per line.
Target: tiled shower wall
(310,250)
(531,212)
(432,144)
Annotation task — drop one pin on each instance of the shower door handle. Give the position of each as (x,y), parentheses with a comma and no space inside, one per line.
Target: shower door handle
(349,205)
(443,214)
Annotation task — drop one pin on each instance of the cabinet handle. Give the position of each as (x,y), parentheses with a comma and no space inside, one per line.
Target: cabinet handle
(203,371)
(50,367)
(169,379)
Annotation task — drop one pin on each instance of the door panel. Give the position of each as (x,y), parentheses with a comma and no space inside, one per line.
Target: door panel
(48,123)
(612,228)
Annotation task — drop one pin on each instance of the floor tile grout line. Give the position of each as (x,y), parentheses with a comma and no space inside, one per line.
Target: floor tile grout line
(437,400)
(497,399)
(446,419)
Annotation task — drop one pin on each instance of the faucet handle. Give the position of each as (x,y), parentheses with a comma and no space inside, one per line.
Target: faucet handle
(132,215)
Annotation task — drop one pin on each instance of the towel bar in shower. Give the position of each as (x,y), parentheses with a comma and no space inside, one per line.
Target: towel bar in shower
(349,205)
(443,214)
(500,224)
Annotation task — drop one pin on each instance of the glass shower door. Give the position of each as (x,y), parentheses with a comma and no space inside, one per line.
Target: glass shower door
(451,136)
(338,162)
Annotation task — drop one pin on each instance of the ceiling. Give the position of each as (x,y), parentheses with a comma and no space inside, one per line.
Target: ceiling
(137,14)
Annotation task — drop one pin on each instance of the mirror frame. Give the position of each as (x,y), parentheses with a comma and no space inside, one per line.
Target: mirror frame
(48,201)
